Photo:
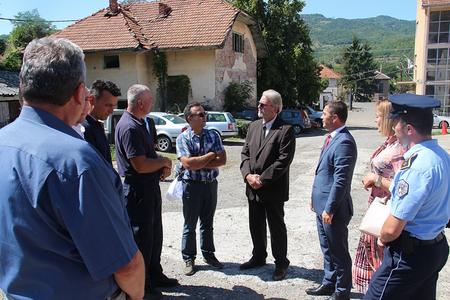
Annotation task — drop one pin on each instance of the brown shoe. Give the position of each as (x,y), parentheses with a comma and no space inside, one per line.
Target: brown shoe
(279,273)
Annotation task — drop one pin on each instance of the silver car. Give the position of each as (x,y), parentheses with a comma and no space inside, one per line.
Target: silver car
(168,128)
(221,122)
(438,121)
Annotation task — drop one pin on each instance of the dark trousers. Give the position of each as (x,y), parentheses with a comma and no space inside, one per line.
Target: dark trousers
(199,202)
(409,276)
(147,226)
(337,263)
(273,212)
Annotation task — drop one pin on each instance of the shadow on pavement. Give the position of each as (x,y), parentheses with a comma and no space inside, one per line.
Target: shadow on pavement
(265,273)
(207,292)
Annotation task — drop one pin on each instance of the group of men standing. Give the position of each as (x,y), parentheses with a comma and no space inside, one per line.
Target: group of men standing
(71,229)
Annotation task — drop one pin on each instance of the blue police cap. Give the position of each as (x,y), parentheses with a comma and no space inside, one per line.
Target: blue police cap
(410,103)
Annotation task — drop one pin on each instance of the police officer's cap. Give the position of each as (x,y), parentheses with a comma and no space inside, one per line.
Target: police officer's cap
(411,103)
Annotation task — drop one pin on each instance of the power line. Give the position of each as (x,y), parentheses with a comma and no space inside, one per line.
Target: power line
(33,20)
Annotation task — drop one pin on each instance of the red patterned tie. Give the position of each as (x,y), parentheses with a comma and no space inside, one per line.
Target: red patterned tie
(327,142)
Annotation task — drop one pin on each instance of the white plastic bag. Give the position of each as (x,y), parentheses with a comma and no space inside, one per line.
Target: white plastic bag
(175,191)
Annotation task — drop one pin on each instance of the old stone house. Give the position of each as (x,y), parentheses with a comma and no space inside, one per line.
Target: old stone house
(208,44)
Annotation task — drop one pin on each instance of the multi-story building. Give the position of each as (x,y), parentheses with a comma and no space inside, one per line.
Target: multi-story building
(432,46)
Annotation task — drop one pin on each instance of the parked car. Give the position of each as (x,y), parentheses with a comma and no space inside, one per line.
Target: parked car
(168,127)
(221,122)
(296,119)
(249,113)
(315,116)
(438,121)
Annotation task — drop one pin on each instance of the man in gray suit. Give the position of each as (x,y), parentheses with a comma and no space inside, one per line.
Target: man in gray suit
(332,203)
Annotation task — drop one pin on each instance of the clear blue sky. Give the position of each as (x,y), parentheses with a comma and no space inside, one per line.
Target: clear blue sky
(76,9)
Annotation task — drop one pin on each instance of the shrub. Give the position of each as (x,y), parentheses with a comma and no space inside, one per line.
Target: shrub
(236,94)
(242,126)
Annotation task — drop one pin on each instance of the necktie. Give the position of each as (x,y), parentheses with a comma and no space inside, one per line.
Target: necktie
(327,142)
(263,134)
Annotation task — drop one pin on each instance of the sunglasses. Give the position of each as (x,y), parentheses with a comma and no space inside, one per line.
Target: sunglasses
(200,115)
(262,105)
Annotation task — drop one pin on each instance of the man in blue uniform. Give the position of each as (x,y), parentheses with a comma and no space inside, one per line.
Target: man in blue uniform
(142,170)
(64,230)
(416,247)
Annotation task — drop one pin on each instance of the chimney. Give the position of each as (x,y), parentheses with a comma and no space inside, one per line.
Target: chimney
(164,10)
(113,6)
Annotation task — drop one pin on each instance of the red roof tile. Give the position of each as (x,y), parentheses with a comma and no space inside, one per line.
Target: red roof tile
(326,72)
(191,23)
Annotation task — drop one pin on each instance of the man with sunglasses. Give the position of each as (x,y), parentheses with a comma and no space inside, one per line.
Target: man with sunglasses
(200,152)
(266,158)
(416,248)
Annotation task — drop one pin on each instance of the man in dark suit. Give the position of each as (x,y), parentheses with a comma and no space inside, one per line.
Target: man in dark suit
(332,203)
(266,157)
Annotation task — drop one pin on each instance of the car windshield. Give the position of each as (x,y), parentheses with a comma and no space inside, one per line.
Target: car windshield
(175,119)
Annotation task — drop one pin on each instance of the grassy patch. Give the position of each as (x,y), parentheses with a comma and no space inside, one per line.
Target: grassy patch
(112,149)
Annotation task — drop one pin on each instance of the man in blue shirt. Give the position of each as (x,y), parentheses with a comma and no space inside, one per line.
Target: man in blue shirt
(142,170)
(104,101)
(200,152)
(416,247)
(64,230)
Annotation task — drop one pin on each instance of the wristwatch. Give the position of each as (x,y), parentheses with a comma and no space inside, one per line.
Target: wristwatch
(378,181)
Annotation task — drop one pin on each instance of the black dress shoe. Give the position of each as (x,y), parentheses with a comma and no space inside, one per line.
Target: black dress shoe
(335,296)
(213,262)
(252,263)
(279,273)
(164,281)
(152,294)
(321,290)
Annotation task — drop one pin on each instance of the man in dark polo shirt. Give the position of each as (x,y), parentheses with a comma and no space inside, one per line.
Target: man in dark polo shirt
(104,101)
(142,168)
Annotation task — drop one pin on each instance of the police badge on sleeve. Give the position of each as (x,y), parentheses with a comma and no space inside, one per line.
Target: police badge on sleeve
(402,188)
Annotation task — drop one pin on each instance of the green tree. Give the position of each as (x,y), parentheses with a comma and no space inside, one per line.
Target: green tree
(359,70)
(28,26)
(290,67)
(2,45)
(236,94)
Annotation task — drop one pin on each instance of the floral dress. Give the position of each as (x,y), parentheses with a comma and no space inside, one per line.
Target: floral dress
(385,161)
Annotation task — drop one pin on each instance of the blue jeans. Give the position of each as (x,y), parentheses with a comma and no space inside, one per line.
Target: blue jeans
(199,202)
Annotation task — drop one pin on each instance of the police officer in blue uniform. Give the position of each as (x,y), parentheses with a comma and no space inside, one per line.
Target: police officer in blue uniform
(416,247)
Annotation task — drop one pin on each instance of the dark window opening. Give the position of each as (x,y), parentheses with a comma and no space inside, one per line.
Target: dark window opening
(111,62)
(238,42)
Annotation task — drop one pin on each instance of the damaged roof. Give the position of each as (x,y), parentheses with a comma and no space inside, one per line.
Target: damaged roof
(168,24)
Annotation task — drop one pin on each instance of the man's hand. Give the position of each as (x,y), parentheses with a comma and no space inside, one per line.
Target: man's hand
(327,218)
(165,173)
(167,162)
(380,242)
(369,181)
(254,181)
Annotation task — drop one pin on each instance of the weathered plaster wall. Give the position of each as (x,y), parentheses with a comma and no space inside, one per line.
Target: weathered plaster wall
(234,66)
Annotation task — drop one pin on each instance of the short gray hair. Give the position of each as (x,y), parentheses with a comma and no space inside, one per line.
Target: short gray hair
(135,92)
(275,98)
(51,71)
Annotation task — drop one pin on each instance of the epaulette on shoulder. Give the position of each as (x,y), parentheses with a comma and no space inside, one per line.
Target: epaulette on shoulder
(407,163)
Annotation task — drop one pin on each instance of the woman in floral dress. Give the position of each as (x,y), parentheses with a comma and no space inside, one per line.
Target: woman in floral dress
(384,162)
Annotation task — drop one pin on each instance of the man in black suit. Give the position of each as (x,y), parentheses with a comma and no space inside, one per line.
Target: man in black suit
(266,157)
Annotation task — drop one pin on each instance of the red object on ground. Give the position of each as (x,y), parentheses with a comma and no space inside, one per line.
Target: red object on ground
(444,128)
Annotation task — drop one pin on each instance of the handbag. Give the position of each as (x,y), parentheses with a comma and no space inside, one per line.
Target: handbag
(175,191)
(375,217)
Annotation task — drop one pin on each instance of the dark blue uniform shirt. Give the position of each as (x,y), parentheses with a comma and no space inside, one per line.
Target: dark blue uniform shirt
(64,230)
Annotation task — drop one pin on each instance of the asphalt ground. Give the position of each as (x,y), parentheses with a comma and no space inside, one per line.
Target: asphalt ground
(232,237)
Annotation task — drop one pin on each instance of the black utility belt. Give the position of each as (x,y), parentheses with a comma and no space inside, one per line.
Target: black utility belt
(418,242)
(407,243)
